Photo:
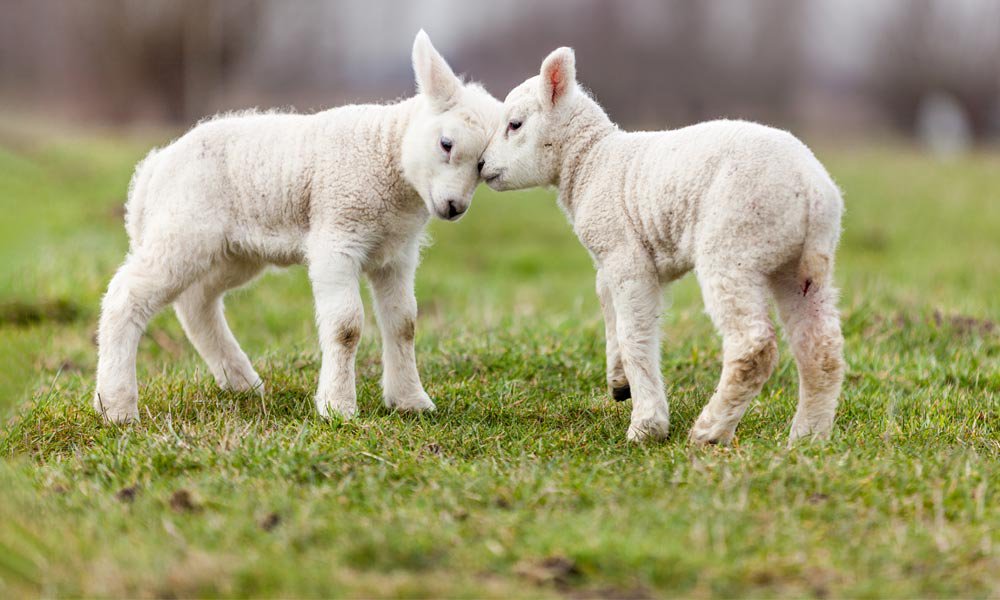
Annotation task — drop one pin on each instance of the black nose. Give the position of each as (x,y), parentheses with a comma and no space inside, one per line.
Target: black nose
(482,163)
(453,210)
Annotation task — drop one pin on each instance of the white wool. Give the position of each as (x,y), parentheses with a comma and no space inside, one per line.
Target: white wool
(747,207)
(347,191)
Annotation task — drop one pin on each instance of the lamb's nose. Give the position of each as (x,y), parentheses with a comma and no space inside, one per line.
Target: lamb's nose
(453,210)
(482,163)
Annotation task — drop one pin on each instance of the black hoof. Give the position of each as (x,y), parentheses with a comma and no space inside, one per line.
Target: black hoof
(620,394)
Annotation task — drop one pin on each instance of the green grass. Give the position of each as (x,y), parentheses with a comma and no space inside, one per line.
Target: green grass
(521,483)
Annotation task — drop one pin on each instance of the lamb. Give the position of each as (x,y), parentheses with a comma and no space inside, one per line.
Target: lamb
(747,207)
(347,191)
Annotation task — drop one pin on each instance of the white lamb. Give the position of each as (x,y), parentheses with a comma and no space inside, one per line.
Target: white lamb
(747,207)
(347,191)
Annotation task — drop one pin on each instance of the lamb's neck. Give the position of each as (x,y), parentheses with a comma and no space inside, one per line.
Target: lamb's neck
(393,129)
(587,126)
(391,126)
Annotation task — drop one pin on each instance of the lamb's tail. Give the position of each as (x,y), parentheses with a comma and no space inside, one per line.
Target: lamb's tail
(135,206)
(822,234)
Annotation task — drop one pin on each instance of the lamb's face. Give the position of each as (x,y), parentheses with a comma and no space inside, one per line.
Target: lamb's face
(446,138)
(524,150)
(442,151)
(520,153)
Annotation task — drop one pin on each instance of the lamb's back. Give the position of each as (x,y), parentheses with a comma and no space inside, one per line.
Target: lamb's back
(259,170)
(661,187)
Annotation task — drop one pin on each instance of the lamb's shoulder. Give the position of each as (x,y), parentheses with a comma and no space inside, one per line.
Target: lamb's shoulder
(595,225)
(358,192)
(595,216)
(606,197)
(597,199)
(358,174)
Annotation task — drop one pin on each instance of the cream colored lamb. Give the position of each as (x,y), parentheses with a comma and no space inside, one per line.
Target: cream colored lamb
(747,207)
(346,191)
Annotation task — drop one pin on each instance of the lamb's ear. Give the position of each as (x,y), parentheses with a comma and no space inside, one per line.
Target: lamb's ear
(435,79)
(558,76)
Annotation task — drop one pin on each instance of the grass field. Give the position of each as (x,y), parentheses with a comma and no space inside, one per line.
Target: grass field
(521,483)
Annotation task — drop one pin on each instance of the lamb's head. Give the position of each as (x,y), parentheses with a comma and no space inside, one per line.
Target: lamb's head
(445,139)
(525,150)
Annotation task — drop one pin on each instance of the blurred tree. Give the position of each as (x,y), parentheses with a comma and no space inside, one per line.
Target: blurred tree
(678,61)
(650,62)
(165,54)
(935,47)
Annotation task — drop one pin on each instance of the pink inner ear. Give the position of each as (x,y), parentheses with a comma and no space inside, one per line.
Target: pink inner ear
(555,80)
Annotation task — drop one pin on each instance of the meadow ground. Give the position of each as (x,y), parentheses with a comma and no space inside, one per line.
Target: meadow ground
(521,483)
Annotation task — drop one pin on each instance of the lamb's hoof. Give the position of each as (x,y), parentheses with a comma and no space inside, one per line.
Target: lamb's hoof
(621,393)
(235,376)
(647,430)
(245,385)
(119,412)
(342,409)
(706,433)
(414,403)
(806,432)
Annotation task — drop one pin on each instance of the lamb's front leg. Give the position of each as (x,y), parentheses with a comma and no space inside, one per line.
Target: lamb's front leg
(617,381)
(339,316)
(637,310)
(396,310)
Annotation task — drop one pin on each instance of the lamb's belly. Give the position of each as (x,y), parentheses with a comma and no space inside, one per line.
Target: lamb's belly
(286,253)
(670,265)
(279,248)
(271,223)
(667,239)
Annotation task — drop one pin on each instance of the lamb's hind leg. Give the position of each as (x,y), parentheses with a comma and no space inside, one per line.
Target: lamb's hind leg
(200,311)
(617,380)
(140,289)
(812,326)
(738,305)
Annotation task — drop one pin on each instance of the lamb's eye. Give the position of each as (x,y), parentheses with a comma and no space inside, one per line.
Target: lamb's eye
(514,125)
(446,144)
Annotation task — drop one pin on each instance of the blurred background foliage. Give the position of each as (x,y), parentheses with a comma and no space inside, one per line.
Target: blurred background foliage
(928,69)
